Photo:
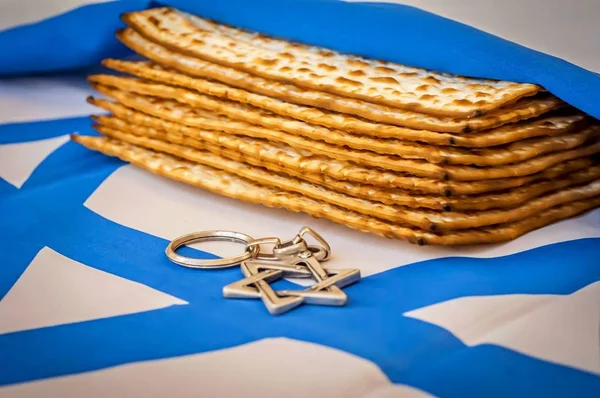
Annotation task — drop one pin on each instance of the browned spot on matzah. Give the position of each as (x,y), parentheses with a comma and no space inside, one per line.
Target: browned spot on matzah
(329,68)
(431,80)
(427,97)
(286,55)
(357,63)
(407,74)
(384,69)
(198,42)
(356,73)
(231,44)
(304,70)
(423,87)
(389,80)
(285,69)
(343,80)
(449,90)
(462,102)
(325,54)
(268,62)
(476,86)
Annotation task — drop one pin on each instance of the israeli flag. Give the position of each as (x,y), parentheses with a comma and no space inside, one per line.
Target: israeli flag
(91,307)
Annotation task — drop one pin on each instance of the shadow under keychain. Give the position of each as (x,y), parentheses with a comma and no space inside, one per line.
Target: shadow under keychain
(294,258)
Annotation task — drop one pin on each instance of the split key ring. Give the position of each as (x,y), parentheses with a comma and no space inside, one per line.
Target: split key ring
(251,251)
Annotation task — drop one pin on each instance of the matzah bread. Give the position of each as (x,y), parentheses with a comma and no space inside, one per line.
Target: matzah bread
(236,187)
(397,151)
(580,171)
(416,167)
(545,126)
(524,108)
(375,81)
(302,164)
(318,117)
(422,218)
(584,171)
(181,113)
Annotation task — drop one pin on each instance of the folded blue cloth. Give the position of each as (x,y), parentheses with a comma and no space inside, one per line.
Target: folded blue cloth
(397,33)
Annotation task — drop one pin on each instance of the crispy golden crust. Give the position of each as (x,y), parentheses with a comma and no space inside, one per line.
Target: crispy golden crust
(230,185)
(375,81)
(422,218)
(366,158)
(319,171)
(303,164)
(522,109)
(276,127)
(517,196)
(342,124)
(578,172)
(509,198)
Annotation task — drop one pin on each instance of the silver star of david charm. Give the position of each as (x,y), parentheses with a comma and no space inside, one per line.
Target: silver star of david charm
(259,275)
(294,258)
(256,285)
(328,291)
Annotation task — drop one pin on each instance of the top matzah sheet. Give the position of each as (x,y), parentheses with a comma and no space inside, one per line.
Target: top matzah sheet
(522,109)
(370,80)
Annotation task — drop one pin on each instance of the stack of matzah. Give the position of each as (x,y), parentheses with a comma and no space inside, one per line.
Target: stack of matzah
(385,148)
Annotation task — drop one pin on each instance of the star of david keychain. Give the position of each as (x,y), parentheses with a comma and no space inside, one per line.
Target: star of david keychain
(294,258)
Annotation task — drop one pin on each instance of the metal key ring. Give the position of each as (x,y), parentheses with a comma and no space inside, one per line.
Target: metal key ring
(204,236)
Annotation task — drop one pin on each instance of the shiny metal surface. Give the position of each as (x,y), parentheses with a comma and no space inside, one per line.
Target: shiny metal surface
(318,238)
(204,236)
(256,285)
(294,258)
(328,291)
